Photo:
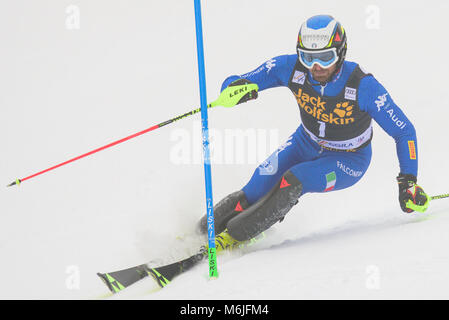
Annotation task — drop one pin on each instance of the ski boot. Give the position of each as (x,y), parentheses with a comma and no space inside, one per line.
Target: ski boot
(224,241)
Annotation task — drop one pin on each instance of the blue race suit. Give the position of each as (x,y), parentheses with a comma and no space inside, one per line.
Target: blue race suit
(329,150)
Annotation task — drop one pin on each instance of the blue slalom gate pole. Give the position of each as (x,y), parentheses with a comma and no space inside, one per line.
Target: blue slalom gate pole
(213,272)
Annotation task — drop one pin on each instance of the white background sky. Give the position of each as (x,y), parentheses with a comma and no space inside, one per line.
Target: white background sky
(72,81)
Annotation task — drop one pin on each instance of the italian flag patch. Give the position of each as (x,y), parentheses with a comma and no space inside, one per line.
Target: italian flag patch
(331,178)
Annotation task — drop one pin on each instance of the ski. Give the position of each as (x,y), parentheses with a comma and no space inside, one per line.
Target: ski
(118,280)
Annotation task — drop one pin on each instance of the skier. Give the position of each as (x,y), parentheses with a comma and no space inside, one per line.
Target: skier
(331,149)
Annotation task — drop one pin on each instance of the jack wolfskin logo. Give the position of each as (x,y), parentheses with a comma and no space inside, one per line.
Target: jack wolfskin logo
(316,107)
(343,109)
(306,101)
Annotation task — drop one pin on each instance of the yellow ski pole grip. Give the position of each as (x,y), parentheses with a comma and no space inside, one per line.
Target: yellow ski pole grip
(231,96)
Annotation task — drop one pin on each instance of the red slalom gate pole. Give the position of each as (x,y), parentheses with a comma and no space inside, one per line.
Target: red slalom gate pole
(19,181)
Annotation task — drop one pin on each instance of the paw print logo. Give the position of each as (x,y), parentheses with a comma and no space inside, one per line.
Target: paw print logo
(343,109)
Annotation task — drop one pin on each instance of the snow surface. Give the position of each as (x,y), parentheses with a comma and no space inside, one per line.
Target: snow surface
(132,64)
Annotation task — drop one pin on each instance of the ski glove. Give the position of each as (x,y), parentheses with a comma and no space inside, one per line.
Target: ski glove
(252,95)
(411,196)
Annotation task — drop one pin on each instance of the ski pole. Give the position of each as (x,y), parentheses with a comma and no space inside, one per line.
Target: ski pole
(415,207)
(229,97)
(441,196)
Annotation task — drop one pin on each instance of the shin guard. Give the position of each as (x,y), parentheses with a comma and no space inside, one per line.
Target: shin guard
(268,210)
(225,210)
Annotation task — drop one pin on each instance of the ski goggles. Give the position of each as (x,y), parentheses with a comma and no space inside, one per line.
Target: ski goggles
(324,58)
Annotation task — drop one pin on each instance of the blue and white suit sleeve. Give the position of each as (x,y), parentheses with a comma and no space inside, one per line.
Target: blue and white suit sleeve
(272,73)
(376,100)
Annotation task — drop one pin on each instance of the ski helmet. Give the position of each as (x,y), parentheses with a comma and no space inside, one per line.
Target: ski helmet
(321,40)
